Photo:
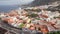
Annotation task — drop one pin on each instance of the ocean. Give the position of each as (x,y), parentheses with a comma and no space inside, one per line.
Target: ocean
(7,8)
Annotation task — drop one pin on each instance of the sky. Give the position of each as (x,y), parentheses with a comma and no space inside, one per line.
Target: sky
(15,2)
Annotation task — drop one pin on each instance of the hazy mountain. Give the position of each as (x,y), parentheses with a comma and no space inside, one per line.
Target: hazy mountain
(42,2)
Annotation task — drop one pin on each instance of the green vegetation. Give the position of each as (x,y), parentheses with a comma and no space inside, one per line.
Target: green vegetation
(33,15)
(57,17)
(35,10)
(21,25)
(38,18)
(54,32)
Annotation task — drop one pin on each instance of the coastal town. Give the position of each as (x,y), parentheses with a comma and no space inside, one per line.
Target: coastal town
(33,18)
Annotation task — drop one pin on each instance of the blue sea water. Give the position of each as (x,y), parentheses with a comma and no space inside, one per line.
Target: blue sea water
(7,8)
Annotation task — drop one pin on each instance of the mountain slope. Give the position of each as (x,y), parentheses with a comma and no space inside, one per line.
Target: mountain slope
(42,2)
